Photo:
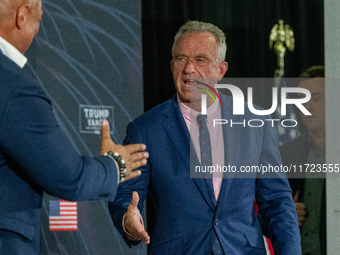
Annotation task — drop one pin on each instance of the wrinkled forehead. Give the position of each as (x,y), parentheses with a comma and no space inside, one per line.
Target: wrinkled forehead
(197,37)
(193,43)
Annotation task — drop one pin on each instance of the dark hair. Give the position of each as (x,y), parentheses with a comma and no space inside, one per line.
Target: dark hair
(313,71)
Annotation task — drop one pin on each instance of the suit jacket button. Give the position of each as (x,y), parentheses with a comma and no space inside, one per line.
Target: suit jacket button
(216,222)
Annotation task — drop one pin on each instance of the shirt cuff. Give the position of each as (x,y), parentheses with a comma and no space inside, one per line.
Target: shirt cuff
(127,234)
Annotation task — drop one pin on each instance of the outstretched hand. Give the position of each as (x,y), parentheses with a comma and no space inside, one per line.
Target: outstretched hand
(132,220)
(134,154)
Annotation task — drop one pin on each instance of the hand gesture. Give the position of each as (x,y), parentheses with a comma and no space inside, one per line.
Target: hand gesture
(132,220)
(134,154)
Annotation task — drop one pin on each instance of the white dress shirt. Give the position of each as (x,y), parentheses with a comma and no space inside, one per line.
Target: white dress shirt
(12,53)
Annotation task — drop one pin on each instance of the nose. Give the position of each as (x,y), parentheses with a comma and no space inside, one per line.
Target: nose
(189,66)
(309,106)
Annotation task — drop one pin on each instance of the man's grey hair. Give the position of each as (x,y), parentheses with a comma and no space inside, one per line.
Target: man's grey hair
(202,27)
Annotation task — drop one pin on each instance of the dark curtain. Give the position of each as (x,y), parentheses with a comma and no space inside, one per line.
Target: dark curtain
(247,25)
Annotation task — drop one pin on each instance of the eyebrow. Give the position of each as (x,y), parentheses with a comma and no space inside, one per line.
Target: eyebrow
(179,55)
(201,56)
(312,94)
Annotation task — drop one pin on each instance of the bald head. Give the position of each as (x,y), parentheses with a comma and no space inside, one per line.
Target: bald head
(19,22)
(8,8)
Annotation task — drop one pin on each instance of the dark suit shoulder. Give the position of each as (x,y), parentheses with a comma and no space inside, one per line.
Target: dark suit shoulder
(14,81)
(158,113)
(13,85)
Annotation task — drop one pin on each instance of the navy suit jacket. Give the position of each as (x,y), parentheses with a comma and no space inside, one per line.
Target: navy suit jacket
(35,156)
(187,220)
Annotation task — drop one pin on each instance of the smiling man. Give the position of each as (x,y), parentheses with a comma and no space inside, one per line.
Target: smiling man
(204,215)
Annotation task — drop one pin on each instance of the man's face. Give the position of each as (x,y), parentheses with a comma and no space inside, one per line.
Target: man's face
(194,58)
(316,105)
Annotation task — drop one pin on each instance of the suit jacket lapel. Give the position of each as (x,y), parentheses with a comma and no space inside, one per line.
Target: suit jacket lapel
(179,135)
(203,184)
(177,131)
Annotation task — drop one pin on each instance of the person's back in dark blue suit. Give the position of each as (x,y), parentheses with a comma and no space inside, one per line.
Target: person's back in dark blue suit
(34,154)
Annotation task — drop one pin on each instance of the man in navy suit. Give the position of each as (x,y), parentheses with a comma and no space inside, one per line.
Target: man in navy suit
(34,154)
(205,215)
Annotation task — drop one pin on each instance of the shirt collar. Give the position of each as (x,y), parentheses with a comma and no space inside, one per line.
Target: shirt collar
(191,114)
(12,53)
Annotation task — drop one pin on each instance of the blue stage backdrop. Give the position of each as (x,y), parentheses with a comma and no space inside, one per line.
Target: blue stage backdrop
(88,57)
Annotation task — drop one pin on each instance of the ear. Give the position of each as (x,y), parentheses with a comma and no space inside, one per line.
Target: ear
(223,67)
(22,16)
(172,65)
